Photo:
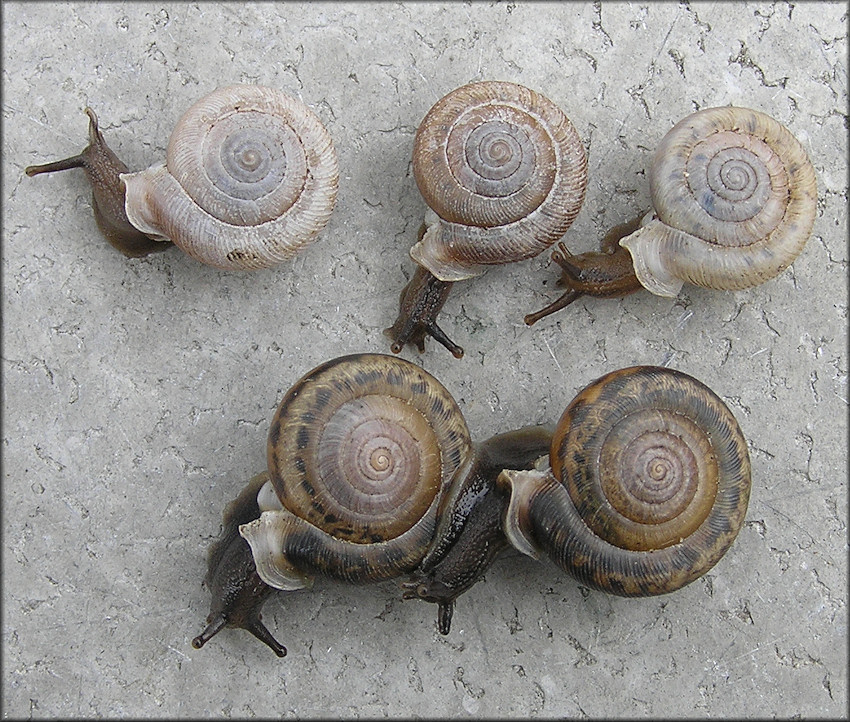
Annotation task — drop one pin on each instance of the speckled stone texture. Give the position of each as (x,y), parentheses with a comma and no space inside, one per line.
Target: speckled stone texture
(137,394)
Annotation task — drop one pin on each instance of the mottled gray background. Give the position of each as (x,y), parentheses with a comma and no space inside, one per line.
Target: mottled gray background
(137,393)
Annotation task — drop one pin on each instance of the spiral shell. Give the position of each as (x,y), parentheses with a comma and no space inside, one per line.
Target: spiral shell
(734,196)
(360,452)
(250,177)
(504,170)
(649,484)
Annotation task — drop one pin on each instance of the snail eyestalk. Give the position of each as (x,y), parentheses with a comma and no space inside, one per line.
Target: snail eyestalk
(444,617)
(214,627)
(608,273)
(103,168)
(561,302)
(255,627)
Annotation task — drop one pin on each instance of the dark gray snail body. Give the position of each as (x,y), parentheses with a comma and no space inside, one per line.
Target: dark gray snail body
(339,425)
(249,179)
(734,197)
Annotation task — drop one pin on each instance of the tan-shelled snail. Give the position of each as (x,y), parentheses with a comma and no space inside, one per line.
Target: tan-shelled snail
(372,475)
(646,486)
(250,178)
(734,198)
(503,172)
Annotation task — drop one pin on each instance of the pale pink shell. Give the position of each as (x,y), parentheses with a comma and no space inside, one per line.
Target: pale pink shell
(250,178)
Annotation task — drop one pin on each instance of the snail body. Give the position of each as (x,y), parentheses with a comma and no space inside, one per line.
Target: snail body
(371,476)
(734,198)
(238,593)
(503,172)
(646,489)
(250,178)
(640,489)
(469,534)
(360,452)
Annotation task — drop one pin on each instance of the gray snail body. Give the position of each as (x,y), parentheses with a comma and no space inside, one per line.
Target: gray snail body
(503,172)
(372,476)
(250,178)
(734,198)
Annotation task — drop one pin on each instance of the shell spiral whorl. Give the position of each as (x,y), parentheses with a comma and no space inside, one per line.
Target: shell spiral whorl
(504,169)
(649,484)
(735,198)
(360,452)
(250,177)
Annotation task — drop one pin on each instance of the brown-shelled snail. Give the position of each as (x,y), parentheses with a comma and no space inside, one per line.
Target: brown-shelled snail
(250,177)
(371,476)
(646,486)
(503,172)
(734,198)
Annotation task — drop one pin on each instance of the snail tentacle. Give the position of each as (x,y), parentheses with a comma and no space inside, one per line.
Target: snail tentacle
(103,170)
(734,198)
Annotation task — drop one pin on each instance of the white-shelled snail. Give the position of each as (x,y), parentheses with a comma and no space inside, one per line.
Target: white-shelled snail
(734,198)
(250,178)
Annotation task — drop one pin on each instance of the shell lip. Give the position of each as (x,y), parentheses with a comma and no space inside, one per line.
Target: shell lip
(272,565)
(648,264)
(516,523)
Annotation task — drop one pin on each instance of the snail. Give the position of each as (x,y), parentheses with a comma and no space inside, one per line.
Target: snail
(371,476)
(250,178)
(503,172)
(644,489)
(646,486)
(734,197)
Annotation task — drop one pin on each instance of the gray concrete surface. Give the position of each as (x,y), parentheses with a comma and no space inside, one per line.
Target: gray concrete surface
(137,393)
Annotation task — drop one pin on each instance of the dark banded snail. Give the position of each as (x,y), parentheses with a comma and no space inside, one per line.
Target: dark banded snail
(346,435)
(647,484)
(504,173)
(250,177)
(734,198)
(371,475)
